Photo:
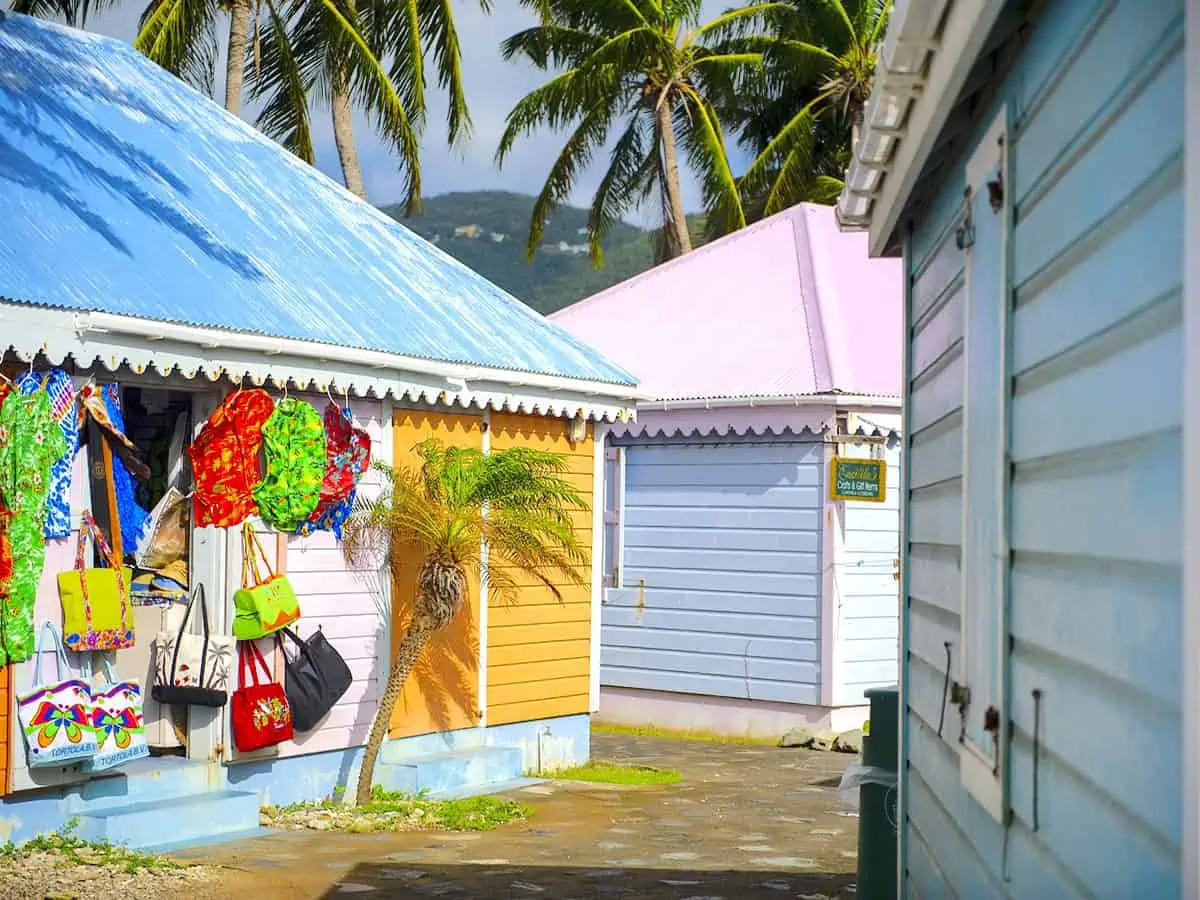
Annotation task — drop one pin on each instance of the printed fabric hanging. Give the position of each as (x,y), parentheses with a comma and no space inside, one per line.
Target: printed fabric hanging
(294,444)
(30,443)
(61,390)
(347,456)
(225,461)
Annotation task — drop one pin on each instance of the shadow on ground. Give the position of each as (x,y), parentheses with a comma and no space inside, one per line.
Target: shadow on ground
(565,883)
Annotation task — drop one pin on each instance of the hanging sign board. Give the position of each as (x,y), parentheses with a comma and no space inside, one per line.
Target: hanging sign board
(858,479)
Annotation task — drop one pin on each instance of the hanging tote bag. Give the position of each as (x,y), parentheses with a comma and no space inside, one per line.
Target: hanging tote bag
(263,605)
(55,716)
(118,719)
(314,680)
(259,711)
(95,602)
(192,669)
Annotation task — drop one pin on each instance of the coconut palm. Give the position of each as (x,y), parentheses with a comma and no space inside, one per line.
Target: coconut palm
(645,67)
(516,501)
(804,115)
(369,57)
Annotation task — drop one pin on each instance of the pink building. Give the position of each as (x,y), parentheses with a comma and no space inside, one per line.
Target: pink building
(740,595)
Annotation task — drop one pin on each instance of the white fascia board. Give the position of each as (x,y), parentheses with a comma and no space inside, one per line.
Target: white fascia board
(876,191)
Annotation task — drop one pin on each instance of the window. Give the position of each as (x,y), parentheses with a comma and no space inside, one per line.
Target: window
(614,501)
(980,698)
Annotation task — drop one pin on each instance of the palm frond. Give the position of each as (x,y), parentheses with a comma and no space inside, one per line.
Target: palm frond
(279,78)
(181,36)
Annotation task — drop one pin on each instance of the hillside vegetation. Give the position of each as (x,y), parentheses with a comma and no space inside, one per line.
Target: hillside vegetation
(486,230)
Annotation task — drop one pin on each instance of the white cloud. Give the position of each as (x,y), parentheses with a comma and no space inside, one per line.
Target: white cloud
(493,87)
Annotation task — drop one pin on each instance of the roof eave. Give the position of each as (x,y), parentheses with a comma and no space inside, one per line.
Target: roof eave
(927,54)
(833,398)
(115,340)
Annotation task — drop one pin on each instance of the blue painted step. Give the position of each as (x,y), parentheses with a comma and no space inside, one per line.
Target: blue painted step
(144,825)
(452,771)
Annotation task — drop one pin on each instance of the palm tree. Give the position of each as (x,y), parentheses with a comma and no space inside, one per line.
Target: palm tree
(370,57)
(516,501)
(803,117)
(650,66)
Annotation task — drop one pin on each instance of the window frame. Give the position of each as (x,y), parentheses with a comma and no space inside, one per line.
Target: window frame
(614,518)
(984,776)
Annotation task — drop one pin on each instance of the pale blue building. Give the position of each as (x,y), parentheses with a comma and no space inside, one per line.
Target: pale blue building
(1029,162)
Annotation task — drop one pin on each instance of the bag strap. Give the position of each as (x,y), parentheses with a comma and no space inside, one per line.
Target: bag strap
(252,550)
(250,657)
(59,652)
(89,528)
(197,594)
(89,672)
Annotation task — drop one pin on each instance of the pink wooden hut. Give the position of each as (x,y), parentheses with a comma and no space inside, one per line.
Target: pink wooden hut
(740,596)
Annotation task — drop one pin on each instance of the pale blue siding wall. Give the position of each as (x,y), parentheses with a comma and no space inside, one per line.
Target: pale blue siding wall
(721,581)
(868,595)
(1097,100)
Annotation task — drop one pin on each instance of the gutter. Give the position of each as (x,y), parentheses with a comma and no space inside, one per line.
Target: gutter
(457,374)
(927,54)
(841,401)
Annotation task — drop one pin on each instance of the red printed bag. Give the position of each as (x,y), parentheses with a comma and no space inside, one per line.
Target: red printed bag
(260,712)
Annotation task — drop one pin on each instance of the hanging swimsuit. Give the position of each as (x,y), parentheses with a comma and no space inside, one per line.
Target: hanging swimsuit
(61,390)
(225,462)
(294,444)
(347,456)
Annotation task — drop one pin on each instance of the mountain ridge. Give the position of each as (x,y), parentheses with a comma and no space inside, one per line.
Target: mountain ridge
(486,231)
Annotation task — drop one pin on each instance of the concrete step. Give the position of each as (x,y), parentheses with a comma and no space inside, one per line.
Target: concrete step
(453,770)
(149,779)
(184,819)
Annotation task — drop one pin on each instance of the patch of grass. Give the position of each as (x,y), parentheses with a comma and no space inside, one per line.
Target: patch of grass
(706,737)
(613,773)
(79,852)
(395,811)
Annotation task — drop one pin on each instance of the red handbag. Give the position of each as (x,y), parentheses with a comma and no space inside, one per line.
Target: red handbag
(260,713)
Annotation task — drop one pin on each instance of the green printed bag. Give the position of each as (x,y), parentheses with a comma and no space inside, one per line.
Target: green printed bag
(263,605)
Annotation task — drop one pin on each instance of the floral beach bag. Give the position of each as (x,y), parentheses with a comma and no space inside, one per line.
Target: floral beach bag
(259,711)
(118,719)
(56,715)
(95,602)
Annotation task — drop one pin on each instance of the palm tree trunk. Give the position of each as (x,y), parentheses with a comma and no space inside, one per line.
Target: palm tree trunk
(671,169)
(343,135)
(239,22)
(407,655)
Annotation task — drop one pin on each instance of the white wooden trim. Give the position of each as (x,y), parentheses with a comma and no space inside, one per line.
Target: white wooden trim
(619,503)
(983,778)
(1191,465)
(385,453)
(482,690)
(599,500)
(967,27)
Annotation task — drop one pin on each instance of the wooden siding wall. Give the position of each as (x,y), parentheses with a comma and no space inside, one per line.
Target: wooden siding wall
(1095,608)
(722,576)
(346,604)
(539,649)
(442,692)
(867,592)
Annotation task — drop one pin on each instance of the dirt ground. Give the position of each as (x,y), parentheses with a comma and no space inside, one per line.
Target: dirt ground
(746,822)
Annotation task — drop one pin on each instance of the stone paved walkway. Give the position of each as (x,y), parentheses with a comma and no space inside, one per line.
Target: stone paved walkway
(746,822)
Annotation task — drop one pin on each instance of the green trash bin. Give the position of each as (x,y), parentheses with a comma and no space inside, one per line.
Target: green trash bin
(877,802)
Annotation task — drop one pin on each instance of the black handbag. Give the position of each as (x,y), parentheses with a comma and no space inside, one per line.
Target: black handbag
(314,679)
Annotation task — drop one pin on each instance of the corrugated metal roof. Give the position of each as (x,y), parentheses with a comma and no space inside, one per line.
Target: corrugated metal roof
(789,306)
(124,191)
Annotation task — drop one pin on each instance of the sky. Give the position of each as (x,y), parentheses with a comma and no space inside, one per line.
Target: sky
(493,86)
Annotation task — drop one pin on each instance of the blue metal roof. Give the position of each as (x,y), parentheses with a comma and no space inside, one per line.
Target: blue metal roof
(124,191)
